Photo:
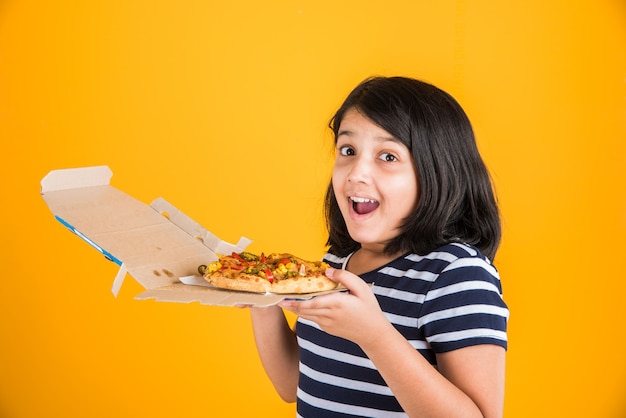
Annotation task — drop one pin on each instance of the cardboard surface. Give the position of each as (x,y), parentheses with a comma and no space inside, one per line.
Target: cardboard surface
(196,289)
(157,244)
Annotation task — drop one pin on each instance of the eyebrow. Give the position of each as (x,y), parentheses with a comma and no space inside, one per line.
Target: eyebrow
(388,137)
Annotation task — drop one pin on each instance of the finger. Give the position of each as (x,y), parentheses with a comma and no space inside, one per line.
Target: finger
(304,307)
(296,306)
(350,281)
(317,315)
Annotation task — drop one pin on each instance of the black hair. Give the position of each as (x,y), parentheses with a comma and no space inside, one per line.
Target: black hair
(456,201)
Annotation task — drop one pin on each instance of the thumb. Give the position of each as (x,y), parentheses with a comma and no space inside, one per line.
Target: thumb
(350,281)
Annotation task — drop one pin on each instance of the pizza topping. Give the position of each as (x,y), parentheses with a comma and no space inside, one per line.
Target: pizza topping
(238,257)
(248,256)
(268,275)
(212,267)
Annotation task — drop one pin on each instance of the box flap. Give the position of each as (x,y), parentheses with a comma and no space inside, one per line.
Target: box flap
(73,178)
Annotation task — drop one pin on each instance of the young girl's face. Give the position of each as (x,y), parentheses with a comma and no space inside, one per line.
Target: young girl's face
(374,179)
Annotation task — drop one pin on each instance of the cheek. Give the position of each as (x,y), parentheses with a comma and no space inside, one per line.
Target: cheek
(338,191)
(405,193)
(337,179)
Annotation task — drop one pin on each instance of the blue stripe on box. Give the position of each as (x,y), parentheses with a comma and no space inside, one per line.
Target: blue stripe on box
(106,254)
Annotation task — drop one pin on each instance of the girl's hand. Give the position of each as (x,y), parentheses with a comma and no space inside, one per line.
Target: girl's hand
(355,316)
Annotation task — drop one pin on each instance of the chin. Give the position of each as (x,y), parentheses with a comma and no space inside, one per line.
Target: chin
(366,239)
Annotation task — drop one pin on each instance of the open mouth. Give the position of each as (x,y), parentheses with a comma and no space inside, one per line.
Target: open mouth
(363,206)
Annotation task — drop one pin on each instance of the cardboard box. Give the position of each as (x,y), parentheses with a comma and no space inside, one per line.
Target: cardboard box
(158,245)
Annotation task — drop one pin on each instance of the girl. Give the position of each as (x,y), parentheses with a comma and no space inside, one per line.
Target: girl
(413,224)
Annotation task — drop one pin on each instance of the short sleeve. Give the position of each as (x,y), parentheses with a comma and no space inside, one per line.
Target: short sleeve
(464,307)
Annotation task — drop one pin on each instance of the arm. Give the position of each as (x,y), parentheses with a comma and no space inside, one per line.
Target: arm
(278,349)
(469,382)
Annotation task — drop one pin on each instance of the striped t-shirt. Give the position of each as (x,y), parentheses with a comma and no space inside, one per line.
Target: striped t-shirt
(446,300)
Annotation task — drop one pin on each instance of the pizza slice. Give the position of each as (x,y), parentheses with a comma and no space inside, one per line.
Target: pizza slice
(281,273)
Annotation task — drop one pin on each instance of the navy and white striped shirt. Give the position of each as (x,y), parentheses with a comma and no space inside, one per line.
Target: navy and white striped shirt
(443,301)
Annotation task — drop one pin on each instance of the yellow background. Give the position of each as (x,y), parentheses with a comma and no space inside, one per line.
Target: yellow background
(221,108)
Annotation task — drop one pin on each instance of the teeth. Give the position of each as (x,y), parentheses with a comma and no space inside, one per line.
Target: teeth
(361,200)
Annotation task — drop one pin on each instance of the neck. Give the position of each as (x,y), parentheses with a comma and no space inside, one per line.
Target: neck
(367,259)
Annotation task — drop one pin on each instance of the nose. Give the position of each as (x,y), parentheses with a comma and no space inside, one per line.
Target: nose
(360,170)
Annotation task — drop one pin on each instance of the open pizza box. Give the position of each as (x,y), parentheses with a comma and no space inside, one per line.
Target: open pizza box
(156,244)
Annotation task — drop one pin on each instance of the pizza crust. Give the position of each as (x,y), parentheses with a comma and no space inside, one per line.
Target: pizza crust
(251,283)
(245,282)
(303,285)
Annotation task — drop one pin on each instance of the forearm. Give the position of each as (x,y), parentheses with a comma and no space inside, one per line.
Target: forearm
(278,349)
(419,387)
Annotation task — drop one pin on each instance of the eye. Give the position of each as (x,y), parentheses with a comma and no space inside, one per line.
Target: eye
(388,157)
(346,150)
